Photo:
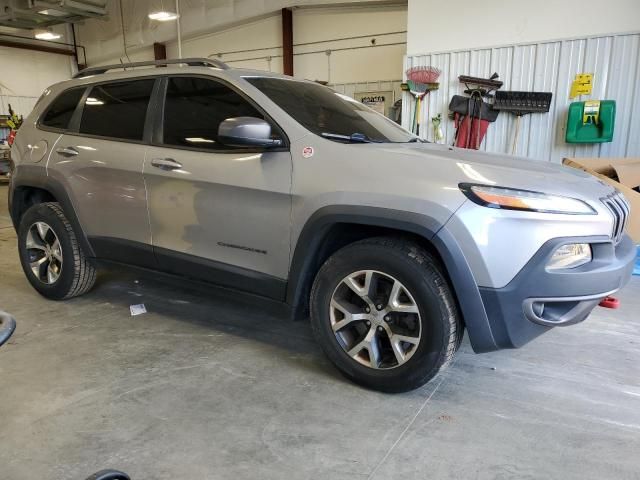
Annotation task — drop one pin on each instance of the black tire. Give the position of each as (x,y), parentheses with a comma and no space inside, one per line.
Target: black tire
(76,275)
(422,276)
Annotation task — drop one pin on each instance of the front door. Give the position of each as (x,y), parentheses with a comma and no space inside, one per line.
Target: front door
(217,213)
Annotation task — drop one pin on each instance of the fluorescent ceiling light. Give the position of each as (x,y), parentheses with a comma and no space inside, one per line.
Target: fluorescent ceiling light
(94,101)
(199,140)
(163,16)
(48,36)
(53,13)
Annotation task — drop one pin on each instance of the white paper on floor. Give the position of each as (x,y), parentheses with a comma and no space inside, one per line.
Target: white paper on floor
(137,309)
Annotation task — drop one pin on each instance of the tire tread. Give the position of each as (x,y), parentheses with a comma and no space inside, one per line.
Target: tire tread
(84,272)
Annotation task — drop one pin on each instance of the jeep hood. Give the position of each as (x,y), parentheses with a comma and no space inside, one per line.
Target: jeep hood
(456,165)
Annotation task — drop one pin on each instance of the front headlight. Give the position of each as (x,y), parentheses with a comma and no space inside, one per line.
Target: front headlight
(513,199)
(571,255)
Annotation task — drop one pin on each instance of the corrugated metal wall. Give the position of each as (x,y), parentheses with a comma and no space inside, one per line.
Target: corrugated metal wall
(21,105)
(546,67)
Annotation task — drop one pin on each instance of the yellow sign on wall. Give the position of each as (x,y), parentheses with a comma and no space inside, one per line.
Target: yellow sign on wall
(582,85)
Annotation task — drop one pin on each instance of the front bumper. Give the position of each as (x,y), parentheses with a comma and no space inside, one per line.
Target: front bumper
(537,299)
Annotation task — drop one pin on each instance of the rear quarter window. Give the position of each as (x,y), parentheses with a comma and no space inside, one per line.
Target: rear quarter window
(59,113)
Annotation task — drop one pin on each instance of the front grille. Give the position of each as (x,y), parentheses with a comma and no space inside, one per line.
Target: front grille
(619,208)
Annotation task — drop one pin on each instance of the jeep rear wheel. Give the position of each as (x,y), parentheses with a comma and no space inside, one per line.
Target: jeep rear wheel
(50,254)
(384,314)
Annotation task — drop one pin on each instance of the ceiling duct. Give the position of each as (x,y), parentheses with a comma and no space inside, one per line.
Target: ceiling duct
(36,14)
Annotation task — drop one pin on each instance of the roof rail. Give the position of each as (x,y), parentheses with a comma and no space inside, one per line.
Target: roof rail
(192,62)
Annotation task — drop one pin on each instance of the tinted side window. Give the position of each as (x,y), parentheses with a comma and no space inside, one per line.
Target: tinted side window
(323,111)
(61,110)
(195,107)
(117,110)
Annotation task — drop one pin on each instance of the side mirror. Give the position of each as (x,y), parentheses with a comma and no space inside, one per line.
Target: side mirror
(246,132)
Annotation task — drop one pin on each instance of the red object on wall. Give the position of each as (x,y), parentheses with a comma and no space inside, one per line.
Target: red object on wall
(470,131)
(11,137)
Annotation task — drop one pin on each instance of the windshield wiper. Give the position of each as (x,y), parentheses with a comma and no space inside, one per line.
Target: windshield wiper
(353,138)
(417,139)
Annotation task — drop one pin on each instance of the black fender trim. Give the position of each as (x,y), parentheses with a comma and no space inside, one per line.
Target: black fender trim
(467,292)
(301,272)
(34,176)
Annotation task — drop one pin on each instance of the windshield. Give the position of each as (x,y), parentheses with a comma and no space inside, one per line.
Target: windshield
(330,114)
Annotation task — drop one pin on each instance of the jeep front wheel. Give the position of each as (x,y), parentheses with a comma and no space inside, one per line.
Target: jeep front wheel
(384,314)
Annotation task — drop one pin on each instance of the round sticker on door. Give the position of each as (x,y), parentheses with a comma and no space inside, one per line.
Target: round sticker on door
(307,152)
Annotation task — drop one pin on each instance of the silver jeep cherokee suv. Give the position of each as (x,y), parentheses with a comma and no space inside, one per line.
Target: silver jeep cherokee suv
(286,189)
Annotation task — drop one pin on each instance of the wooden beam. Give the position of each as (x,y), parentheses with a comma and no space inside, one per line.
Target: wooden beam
(159,51)
(287,41)
(37,48)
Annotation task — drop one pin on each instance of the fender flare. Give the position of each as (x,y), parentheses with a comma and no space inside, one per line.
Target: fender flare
(32,176)
(313,234)
(317,226)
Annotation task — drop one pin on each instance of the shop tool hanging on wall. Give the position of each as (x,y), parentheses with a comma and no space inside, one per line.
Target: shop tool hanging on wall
(418,90)
(520,104)
(472,114)
(421,80)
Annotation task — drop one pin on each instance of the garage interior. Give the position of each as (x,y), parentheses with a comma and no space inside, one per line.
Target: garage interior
(213,383)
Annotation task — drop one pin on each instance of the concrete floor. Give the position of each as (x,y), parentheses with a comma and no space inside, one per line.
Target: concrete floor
(208,385)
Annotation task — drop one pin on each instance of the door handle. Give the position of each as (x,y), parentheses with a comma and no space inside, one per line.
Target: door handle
(166,164)
(67,152)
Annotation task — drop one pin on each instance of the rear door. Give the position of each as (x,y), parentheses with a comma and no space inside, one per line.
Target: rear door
(100,160)
(217,213)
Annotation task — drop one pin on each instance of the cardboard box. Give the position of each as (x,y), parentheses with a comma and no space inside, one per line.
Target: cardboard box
(622,173)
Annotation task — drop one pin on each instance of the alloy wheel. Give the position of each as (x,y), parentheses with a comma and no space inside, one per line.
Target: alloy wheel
(375,319)
(44,253)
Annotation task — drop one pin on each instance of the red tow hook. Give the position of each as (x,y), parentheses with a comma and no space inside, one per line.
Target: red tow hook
(610,302)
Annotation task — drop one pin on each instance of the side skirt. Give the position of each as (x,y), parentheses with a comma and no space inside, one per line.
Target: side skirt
(177,264)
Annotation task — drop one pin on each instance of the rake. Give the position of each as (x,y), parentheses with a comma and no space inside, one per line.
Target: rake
(421,80)
(424,74)
(520,104)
